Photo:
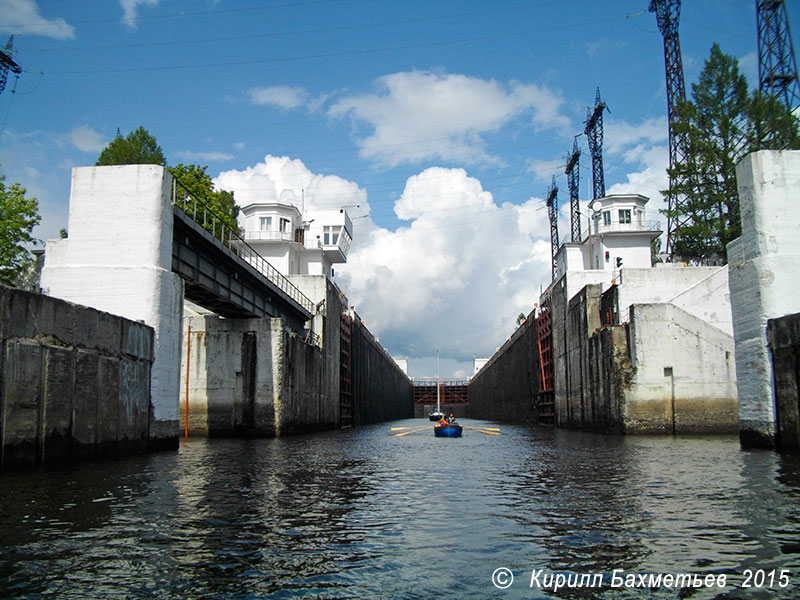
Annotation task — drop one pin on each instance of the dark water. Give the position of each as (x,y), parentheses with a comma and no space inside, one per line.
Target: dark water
(364,514)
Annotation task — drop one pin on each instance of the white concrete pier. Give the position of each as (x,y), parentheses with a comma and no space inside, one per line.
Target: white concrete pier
(764,280)
(118,258)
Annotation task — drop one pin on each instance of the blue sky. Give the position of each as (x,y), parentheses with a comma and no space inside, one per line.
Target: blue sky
(443,121)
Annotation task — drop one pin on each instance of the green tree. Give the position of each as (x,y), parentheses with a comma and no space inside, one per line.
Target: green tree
(18,216)
(137,148)
(195,180)
(719,126)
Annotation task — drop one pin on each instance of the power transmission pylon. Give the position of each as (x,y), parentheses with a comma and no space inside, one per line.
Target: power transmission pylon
(552,211)
(777,69)
(7,64)
(573,181)
(594,131)
(668,13)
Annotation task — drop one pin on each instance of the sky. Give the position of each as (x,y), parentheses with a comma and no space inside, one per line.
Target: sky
(438,125)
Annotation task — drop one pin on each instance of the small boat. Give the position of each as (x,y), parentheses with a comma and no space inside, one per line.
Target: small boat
(448,430)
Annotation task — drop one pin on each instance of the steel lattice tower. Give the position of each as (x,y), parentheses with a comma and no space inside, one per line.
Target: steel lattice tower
(777,69)
(552,211)
(668,13)
(573,180)
(7,64)
(594,131)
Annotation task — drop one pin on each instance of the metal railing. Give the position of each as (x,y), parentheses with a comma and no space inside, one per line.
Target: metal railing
(431,381)
(269,236)
(220,228)
(616,227)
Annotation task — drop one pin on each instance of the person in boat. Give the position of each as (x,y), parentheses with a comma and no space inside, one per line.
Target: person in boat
(442,422)
(452,419)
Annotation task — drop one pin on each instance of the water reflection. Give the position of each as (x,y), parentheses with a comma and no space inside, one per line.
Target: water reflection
(363,514)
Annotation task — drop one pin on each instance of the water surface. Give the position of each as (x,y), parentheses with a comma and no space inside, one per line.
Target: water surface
(365,514)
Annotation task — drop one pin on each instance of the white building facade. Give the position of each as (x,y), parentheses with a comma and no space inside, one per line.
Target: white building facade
(295,244)
(620,235)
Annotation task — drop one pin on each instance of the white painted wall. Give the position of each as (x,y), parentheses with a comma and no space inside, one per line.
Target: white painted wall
(118,258)
(764,277)
(684,371)
(650,285)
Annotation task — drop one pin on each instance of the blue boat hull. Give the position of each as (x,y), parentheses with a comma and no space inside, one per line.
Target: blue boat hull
(447,431)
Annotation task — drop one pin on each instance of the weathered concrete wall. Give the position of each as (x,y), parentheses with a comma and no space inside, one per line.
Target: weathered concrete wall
(784,344)
(764,268)
(574,395)
(505,389)
(74,382)
(251,377)
(665,371)
(683,377)
(118,258)
(609,374)
(381,390)
(230,376)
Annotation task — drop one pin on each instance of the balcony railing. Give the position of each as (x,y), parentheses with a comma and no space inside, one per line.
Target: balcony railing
(617,227)
(268,236)
(220,228)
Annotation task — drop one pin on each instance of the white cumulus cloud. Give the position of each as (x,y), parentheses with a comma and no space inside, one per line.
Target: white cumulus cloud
(289,180)
(86,139)
(422,115)
(208,156)
(454,278)
(283,96)
(130,10)
(457,276)
(23,17)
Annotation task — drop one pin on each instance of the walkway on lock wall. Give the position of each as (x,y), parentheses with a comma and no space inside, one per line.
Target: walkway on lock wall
(223,273)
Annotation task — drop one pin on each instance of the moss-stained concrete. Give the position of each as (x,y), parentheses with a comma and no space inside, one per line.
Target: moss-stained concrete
(74,381)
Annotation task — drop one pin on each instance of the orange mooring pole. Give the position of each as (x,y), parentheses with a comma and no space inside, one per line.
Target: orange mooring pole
(186,411)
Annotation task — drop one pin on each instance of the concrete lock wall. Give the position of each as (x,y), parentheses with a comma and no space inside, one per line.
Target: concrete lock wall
(228,376)
(74,381)
(684,384)
(783,335)
(381,390)
(666,371)
(764,270)
(253,378)
(575,401)
(506,387)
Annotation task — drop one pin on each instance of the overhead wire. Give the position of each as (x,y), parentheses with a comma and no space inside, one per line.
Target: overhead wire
(335,54)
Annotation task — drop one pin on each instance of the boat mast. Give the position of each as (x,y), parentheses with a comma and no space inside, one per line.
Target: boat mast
(438,409)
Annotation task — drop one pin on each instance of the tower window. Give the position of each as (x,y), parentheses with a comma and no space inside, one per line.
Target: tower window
(625,215)
(330,235)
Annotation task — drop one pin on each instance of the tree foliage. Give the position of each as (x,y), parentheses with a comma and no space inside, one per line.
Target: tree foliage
(200,184)
(18,216)
(139,147)
(718,127)
(136,148)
